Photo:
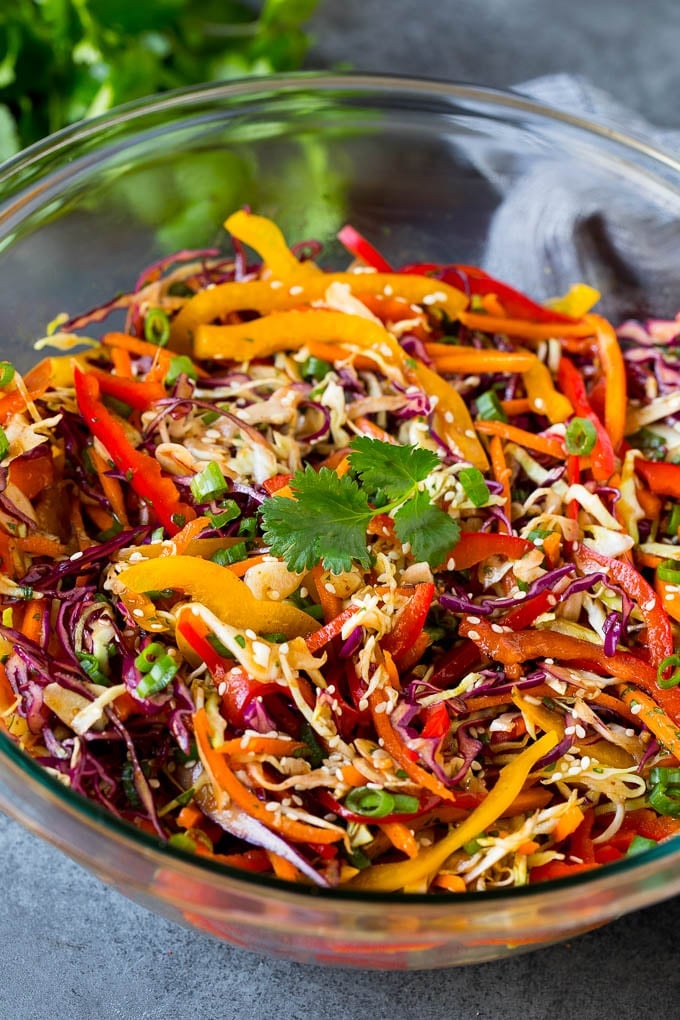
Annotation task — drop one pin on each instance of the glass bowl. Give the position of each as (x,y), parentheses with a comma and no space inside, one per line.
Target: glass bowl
(426,170)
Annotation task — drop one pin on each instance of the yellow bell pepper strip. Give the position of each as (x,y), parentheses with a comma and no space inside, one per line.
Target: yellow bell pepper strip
(578,300)
(543,397)
(290,330)
(225,782)
(539,716)
(391,877)
(266,296)
(613,369)
(219,590)
(144,471)
(265,237)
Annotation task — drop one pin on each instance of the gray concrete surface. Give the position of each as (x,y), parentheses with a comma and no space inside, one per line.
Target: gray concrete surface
(74,949)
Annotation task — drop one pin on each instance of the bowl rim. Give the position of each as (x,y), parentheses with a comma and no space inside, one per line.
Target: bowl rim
(92,814)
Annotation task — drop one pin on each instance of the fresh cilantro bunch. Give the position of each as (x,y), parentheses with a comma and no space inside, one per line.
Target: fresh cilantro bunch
(327,520)
(62,60)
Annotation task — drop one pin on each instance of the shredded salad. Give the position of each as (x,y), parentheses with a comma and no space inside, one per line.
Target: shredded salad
(364,579)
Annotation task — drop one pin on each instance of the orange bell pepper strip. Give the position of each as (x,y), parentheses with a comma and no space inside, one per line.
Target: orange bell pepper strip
(662,478)
(543,397)
(448,358)
(613,370)
(664,725)
(511,779)
(523,328)
(144,471)
(553,447)
(659,633)
(224,781)
(219,590)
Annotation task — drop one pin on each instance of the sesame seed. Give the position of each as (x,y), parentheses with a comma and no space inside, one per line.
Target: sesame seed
(138,612)
(635,708)
(329,588)
(304,593)
(585,762)
(275,284)
(496,628)
(474,619)
(75,556)
(473,635)
(274,595)
(448,417)
(388,290)
(580,732)
(272,805)
(251,634)
(297,289)
(222,688)
(450,563)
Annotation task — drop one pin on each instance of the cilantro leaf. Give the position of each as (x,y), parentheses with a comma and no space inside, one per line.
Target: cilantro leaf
(430,531)
(326,522)
(393,470)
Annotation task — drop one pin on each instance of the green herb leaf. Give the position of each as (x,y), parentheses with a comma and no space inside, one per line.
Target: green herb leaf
(327,521)
(430,531)
(390,469)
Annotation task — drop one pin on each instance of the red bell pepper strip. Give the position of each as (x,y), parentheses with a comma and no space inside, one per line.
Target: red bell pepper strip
(475,546)
(409,623)
(200,644)
(321,637)
(662,478)
(437,721)
(144,472)
(473,280)
(276,482)
(659,633)
(137,393)
(558,869)
(455,664)
(357,245)
(523,615)
(573,387)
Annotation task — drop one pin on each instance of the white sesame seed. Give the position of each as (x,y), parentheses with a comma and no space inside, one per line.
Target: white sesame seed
(450,563)
(297,289)
(635,708)
(274,595)
(585,762)
(580,732)
(496,628)
(448,417)
(303,592)
(138,612)
(473,635)
(251,634)
(222,688)
(474,619)
(329,587)
(272,805)
(75,556)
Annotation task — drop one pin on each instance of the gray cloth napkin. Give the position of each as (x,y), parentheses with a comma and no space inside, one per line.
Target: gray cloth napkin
(608,226)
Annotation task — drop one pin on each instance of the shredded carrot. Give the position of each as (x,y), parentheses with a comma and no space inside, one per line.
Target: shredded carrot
(492,306)
(133,345)
(41,545)
(528,330)
(521,405)
(613,369)
(552,545)
(333,353)
(282,868)
(468,359)
(32,622)
(542,444)
(401,837)
(366,427)
(502,474)
(452,883)
(568,823)
(35,382)
(122,363)
(188,534)
(252,744)
(494,700)
(190,816)
(351,776)
(646,710)
(225,782)
(530,847)
(242,566)
(401,754)
(328,600)
(111,487)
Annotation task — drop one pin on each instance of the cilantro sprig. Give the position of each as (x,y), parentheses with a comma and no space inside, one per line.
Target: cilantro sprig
(327,520)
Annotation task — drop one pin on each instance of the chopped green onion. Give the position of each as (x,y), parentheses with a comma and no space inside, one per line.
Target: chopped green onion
(157,327)
(671,662)
(209,417)
(4,444)
(122,409)
(247,527)
(666,775)
(489,407)
(370,803)
(240,640)
(580,436)
(158,677)
(232,554)
(472,846)
(148,656)
(180,365)
(405,804)
(358,859)
(474,485)
(276,638)
(664,803)
(669,570)
(127,775)
(159,593)
(315,368)
(221,649)
(91,665)
(180,841)
(209,483)
(229,511)
(639,844)
(6,373)
(178,519)
(674,521)
(313,751)
(111,532)
(539,533)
